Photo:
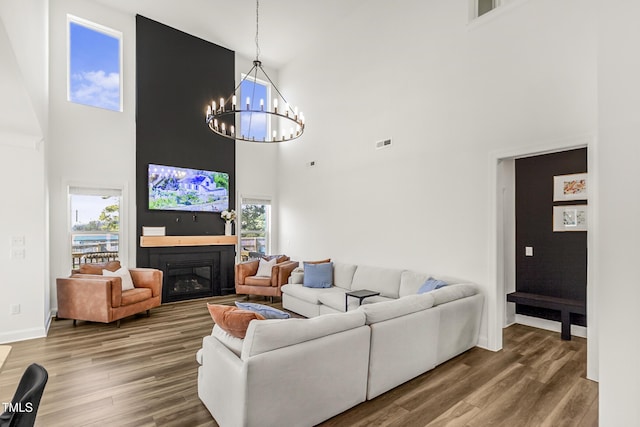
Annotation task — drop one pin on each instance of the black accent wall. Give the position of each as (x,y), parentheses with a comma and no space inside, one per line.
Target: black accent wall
(559,265)
(177,75)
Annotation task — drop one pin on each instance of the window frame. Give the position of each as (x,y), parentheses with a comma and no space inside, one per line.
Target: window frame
(104,30)
(256,200)
(267,102)
(123,237)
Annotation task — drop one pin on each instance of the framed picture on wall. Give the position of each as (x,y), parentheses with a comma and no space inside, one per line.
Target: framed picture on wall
(570,187)
(570,218)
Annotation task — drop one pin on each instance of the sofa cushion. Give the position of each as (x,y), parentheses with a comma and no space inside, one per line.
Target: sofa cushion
(453,292)
(431,284)
(232,343)
(383,280)
(123,273)
(343,274)
(257,281)
(133,296)
(410,282)
(308,294)
(96,268)
(395,308)
(272,334)
(318,275)
(266,311)
(232,319)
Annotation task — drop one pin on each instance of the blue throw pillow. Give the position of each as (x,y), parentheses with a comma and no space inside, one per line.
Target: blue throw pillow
(318,275)
(431,284)
(266,311)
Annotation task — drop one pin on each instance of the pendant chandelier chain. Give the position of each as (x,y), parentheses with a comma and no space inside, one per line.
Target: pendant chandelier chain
(257,27)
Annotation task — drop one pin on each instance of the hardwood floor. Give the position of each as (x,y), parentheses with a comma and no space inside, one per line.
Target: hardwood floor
(144,374)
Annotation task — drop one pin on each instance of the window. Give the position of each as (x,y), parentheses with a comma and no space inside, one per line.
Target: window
(94,64)
(255,125)
(94,227)
(485,6)
(255,227)
(481,7)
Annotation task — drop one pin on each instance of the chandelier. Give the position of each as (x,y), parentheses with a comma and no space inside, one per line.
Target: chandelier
(287,123)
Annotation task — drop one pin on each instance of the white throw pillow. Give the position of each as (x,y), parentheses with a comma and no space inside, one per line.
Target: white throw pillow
(123,272)
(264,268)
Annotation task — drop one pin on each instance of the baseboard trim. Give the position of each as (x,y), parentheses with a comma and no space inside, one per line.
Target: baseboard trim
(549,325)
(483,342)
(23,335)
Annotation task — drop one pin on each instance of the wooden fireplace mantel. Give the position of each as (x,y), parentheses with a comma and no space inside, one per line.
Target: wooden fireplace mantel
(169,241)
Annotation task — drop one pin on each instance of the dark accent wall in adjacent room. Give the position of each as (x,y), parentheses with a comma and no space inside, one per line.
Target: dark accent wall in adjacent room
(177,75)
(559,265)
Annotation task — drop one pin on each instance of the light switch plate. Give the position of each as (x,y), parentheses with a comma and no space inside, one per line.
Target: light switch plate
(528,251)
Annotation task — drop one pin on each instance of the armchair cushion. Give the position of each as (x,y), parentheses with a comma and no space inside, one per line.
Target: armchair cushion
(123,273)
(258,281)
(133,296)
(264,267)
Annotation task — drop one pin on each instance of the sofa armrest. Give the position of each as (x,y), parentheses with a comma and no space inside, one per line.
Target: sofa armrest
(280,272)
(147,278)
(88,293)
(246,269)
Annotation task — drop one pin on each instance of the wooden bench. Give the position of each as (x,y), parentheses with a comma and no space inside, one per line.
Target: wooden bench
(564,305)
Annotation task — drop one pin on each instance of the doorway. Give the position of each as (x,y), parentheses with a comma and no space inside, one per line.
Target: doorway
(502,240)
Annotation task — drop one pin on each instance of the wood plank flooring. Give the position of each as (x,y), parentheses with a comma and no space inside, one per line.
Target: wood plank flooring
(145,373)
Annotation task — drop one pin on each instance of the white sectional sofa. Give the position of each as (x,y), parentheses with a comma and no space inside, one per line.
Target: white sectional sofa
(300,372)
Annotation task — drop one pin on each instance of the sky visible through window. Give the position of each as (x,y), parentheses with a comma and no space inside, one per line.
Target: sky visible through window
(94,68)
(253,124)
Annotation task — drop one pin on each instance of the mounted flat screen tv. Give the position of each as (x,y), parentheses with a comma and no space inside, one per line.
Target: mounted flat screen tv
(173,188)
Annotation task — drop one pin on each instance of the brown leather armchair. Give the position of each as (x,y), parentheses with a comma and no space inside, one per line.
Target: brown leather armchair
(248,283)
(98,298)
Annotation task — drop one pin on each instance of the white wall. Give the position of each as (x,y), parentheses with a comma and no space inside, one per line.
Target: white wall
(23,281)
(619,208)
(448,94)
(89,146)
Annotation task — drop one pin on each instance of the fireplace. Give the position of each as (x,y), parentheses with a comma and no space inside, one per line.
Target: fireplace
(188,280)
(194,272)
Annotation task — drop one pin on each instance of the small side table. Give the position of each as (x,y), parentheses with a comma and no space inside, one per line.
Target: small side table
(361,294)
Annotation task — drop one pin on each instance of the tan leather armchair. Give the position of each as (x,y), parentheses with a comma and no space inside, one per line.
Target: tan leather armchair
(248,283)
(98,298)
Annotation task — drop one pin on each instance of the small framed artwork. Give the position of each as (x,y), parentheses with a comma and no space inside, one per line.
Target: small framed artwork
(570,187)
(570,218)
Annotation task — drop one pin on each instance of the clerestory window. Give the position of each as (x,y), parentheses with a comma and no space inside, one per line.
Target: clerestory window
(94,54)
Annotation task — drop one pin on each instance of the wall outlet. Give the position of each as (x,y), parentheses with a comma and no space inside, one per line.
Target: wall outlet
(17,253)
(15,309)
(528,251)
(17,241)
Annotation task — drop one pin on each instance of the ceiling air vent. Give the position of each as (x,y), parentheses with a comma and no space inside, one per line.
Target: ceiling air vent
(383,144)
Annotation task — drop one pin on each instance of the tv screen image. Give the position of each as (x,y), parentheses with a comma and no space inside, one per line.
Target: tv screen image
(175,188)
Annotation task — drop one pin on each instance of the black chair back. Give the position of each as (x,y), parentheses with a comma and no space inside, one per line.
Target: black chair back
(23,408)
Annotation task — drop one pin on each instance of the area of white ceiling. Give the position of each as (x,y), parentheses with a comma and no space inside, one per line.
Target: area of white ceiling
(286,26)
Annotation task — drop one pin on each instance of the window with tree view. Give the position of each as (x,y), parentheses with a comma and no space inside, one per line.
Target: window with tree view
(95,225)
(254,228)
